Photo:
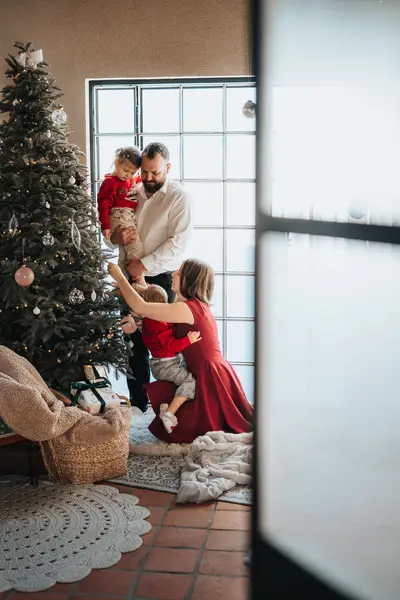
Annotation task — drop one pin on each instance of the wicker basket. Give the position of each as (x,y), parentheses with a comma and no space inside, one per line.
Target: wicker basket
(86,463)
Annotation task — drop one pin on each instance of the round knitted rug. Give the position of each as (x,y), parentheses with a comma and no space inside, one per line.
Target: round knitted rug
(59,533)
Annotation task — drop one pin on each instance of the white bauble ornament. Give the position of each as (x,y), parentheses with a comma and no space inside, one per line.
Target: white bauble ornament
(249,109)
(36,310)
(59,116)
(48,239)
(76,296)
(357,211)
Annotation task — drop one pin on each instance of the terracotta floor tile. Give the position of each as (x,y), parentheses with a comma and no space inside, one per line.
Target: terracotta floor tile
(180,537)
(163,586)
(231,519)
(148,538)
(228,540)
(132,561)
(171,560)
(223,588)
(156,515)
(208,505)
(215,562)
(107,581)
(38,596)
(60,588)
(230,506)
(150,498)
(124,489)
(93,597)
(188,517)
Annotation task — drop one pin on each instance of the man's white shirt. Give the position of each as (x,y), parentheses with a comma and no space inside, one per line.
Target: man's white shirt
(164,223)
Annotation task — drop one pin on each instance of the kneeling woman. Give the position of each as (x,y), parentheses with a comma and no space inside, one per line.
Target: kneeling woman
(220,403)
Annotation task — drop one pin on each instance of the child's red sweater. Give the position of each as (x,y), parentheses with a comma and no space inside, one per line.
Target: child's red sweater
(158,338)
(113,193)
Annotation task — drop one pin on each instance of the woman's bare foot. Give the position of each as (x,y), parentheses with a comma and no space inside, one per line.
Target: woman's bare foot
(167,418)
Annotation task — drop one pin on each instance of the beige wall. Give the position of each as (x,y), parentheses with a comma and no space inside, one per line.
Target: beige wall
(127,38)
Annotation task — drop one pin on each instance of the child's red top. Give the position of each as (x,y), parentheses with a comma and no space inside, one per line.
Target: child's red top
(113,193)
(160,341)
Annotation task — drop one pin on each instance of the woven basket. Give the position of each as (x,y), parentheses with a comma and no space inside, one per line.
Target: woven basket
(86,463)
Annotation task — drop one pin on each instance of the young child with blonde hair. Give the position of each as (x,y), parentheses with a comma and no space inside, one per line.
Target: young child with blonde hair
(167,362)
(117,203)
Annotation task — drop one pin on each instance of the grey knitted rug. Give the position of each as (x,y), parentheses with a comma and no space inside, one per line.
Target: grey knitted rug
(59,533)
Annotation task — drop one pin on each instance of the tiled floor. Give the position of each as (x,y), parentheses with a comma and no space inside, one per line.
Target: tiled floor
(193,552)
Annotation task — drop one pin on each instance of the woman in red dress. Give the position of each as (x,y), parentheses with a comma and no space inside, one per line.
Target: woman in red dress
(220,403)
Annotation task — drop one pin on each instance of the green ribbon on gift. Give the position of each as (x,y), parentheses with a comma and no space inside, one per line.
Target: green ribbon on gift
(93,386)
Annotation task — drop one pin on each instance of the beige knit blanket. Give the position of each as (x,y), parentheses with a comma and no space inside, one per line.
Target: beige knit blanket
(29,407)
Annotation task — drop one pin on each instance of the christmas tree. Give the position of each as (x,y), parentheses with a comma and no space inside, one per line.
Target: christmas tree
(55,306)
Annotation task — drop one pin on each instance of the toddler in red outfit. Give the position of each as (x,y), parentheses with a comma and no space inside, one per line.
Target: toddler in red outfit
(117,204)
(167,362)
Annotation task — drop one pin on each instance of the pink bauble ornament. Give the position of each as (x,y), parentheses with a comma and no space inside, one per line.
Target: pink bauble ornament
(24,276)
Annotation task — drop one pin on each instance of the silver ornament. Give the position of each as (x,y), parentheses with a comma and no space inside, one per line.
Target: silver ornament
(48,239)
(249,109)
(93,295)
(47,205)
(13,225)
(72,179)
(76,296)
(36,310)
(75,236)
(15,102)
(48,133)
(59,116)
(357,211)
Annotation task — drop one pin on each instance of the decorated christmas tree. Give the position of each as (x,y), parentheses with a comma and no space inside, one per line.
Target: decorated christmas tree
(56,308)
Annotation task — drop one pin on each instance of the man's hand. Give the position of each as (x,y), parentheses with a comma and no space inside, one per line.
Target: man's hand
(115,272)
(194,336)
(123,236)
(128,325)
(106,234)
(135,268)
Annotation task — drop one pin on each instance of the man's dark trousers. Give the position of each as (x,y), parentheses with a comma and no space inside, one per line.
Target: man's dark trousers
(139,362)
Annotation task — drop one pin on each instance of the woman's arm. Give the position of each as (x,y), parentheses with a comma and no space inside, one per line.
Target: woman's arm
(170,313)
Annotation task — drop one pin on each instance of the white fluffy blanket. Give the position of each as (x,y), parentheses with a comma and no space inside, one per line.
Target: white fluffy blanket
(216,462)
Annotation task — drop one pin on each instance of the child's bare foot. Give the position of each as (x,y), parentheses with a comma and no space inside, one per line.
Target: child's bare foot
(168,419)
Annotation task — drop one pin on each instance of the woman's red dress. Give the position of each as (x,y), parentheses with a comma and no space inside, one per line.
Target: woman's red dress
(220,403)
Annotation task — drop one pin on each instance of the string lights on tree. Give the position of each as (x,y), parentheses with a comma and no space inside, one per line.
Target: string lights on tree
(54,296)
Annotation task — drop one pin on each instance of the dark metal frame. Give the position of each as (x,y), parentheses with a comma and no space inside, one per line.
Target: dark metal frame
(274,574)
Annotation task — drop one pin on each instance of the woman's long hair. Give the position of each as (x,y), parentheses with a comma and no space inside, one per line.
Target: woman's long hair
(196,280)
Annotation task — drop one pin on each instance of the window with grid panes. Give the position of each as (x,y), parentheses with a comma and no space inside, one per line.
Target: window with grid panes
(212,146)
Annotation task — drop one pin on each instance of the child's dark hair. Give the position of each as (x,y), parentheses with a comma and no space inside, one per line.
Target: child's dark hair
(131,154)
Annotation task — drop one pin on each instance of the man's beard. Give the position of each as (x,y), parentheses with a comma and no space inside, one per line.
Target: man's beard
(153,186)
